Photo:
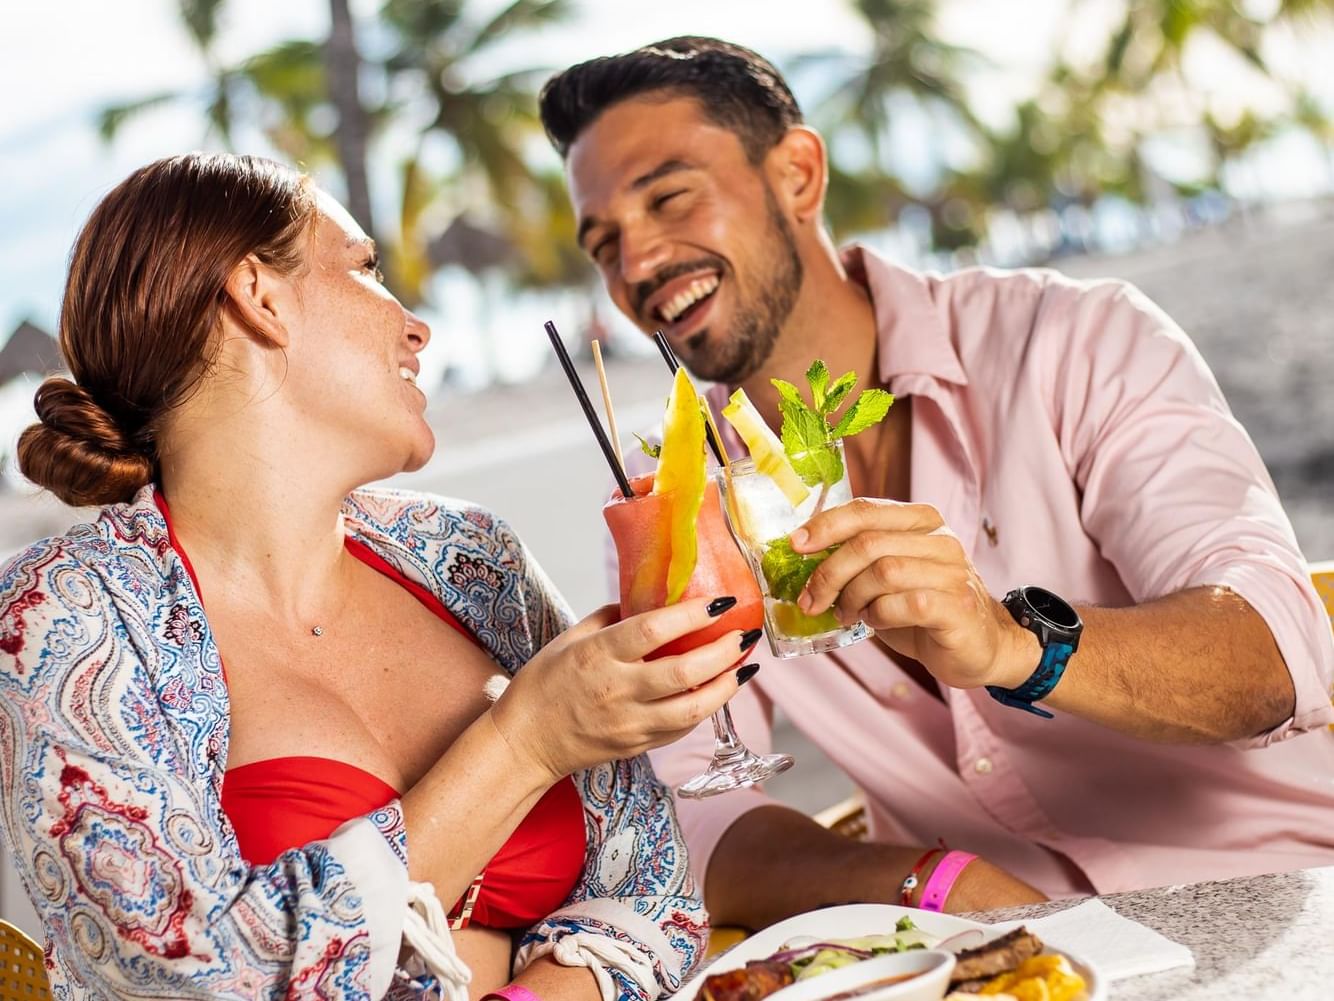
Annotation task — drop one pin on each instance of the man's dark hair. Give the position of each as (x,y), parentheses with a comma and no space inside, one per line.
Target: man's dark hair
(738,89)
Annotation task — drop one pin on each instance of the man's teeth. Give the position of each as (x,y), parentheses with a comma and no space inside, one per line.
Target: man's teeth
(408,374)
(686,298)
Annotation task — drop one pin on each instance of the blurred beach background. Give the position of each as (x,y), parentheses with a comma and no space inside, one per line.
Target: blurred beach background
(1185,146)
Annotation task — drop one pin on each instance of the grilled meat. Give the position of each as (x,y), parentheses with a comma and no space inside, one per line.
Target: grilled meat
(976,966)
(757,980)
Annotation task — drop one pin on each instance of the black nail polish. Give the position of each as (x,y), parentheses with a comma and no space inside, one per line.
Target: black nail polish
(750,638)
(719,605)
(744,674)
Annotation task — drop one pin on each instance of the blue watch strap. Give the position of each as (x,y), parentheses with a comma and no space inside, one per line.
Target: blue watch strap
(1055,656)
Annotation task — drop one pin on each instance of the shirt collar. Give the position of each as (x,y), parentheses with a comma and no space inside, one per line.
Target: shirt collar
(913,338)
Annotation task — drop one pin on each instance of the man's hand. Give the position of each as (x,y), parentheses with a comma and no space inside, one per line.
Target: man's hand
(903,573)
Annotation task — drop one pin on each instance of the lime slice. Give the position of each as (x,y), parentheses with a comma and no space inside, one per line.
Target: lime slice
(766,451)
(792,621)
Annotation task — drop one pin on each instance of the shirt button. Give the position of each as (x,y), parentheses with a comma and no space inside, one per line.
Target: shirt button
(982,766)
(901,690)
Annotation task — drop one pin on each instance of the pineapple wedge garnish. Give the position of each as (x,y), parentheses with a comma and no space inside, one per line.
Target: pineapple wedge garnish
(766,451)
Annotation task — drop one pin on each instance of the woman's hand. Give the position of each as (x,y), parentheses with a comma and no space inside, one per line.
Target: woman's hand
(903,573)
(589,696)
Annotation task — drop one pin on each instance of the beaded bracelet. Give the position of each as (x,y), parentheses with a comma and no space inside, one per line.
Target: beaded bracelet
(913,878)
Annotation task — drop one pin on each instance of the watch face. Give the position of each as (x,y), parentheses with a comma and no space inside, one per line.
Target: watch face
(1052,608)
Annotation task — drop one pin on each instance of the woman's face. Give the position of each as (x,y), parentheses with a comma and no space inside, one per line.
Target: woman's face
(353,350)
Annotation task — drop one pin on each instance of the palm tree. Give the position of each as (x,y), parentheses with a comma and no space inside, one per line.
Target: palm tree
(485,123)
(1145,55)
(200,19)
(1309,114)
(424,62)
(353,134)
(907,62)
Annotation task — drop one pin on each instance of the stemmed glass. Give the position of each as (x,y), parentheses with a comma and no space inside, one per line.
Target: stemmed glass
(640,524)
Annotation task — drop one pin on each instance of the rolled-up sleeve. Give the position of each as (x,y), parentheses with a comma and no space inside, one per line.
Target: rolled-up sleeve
(636,917)
(1172,487)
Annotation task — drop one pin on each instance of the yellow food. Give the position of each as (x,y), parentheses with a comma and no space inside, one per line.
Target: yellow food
(681,474)
(1042,978)
(766,451)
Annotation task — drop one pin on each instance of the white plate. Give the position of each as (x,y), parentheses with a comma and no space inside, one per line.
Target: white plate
(855,920)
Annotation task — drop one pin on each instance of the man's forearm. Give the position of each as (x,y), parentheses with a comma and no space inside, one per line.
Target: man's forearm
(1196,667)
(775,862)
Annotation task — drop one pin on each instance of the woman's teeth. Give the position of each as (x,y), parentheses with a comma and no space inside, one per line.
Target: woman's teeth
(407,374)
(683,300)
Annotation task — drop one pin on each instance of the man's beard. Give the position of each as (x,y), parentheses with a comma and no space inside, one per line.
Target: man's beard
(740,352)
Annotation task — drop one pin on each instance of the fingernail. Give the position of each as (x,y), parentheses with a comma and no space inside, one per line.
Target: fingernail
(804,601)
(750,637)
(719,605)
(799,537)
(744,674)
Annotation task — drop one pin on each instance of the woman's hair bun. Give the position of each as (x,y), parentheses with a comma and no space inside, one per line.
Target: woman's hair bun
(78,451)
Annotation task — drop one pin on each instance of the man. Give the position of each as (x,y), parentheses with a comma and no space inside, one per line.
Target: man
(1067,434)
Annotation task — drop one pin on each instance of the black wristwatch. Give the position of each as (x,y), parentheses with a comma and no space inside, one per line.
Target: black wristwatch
(1057,626)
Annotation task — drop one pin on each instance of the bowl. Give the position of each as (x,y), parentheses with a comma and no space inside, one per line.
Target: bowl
(928,971)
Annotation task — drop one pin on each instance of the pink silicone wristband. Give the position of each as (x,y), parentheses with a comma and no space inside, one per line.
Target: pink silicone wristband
(513,992)
(942,880)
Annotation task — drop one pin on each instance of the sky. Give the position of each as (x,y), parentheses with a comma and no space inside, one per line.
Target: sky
(64,59)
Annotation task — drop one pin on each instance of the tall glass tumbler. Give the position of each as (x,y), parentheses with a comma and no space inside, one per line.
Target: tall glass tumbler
(762,518)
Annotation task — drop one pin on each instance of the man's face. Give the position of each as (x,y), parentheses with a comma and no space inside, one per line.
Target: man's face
(686,232)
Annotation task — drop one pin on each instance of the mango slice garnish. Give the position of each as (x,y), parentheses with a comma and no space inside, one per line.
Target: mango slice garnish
(681,474)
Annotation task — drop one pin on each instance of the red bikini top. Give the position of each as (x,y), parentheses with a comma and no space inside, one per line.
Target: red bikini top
(283,803)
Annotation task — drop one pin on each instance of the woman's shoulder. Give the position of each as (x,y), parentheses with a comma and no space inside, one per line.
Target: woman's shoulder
(84,571)
(411,517)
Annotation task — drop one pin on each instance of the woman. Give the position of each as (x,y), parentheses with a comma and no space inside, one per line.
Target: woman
(250,714)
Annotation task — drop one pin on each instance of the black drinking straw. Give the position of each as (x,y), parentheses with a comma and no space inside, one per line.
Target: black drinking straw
(598,432)
(669,356)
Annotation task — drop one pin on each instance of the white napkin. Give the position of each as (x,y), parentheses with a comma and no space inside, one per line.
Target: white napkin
(1117,946)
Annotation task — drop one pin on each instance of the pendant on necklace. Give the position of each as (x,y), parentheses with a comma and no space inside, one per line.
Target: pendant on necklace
(317,631)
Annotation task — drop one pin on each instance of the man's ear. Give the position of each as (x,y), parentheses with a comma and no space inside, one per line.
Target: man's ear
(800,173)
(254,294)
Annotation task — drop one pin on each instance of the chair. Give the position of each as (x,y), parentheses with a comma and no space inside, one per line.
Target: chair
(1322,576)
(22,967)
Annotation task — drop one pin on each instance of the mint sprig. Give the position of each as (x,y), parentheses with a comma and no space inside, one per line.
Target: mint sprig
(806,429)
(651,449)
(787,570)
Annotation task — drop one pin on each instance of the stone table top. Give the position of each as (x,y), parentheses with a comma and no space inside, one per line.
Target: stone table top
(1254,938)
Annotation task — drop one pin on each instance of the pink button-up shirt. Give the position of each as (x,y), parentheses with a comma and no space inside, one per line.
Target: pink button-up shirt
(1073,438)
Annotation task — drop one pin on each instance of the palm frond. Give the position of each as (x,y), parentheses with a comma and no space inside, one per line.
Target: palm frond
(200,18)
(113,117)
(521,15)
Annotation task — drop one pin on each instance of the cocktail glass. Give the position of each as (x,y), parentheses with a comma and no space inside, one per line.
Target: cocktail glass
(640,528)
(762,518)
